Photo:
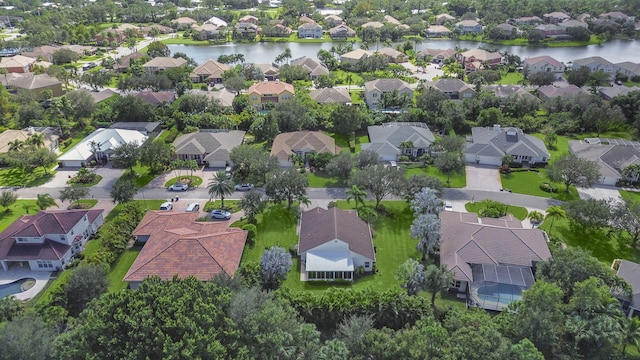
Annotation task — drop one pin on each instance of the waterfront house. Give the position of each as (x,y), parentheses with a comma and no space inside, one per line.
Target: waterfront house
(310,31)
(469,27)
(342,32)
(544,63)
(437,31)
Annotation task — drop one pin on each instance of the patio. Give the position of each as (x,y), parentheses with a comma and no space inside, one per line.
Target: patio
(16,273)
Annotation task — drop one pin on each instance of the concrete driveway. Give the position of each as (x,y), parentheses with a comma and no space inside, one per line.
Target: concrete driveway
(600,192)
(480,177)
(109,176)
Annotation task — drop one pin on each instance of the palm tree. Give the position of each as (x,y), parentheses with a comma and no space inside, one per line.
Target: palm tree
(356,194)
(16,145)
(406,145)
(45,200)
(220,186)
(437,279)
(535,217)
(416,41)
(36,140)
(349,78)
(631,333)
(555,212)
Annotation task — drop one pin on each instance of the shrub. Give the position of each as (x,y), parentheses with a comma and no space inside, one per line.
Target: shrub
(332,204)
(67,143)
(252,231)
(492,209)
(173,133)
(404,158)
(548,187)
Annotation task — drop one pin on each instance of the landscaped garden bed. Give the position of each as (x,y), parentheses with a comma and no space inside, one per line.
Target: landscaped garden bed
(192,181)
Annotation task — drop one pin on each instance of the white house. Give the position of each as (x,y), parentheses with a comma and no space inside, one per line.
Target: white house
(544,64)
(47,240)
(104,141)
(387,140)
(488,145)
(333,244)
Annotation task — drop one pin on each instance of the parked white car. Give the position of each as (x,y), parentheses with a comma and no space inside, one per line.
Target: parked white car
(178,187)
(243,187)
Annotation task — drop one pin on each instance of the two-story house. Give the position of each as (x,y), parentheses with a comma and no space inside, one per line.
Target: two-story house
(476,59)
(47,240)
(469,27)
(310,31)
(374,91)
(545,63)
(455,89)
(161,63)
(269,92)
(596,63)
(341,32)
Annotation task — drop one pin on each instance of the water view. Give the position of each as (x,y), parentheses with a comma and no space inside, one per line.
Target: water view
(614,51)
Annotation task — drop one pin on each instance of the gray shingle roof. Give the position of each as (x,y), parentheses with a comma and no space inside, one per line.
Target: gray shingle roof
(209,143)
(331,96)
(396,133)
(498,142)
(386,85)
(630,272)
(611,159)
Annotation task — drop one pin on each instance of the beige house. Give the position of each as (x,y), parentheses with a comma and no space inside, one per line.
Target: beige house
(341,32)
(8,136)
(443,18)
(183,23)
(393,56)
(210,71)
(352,57)
(455,89)
(313,67)
(333,20)
(301,143)
(35,84)
(331,96)
(548,64)
(211,148)
(162,63)
(375,90)
(17,64)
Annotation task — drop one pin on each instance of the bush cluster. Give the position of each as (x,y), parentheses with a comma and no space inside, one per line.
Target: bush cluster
(548,187)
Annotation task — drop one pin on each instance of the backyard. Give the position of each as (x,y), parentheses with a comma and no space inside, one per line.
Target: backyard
(277,226)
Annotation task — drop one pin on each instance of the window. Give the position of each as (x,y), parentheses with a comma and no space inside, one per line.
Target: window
(367,264)
(21,239)
(255,97)
(71,231)
(375,94)
(45,264)
(457,284)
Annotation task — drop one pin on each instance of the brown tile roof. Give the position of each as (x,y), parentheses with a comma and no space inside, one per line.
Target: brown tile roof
(467,240)
(331,96)
(177,245)
(284,144)
(165,62)
(28,81)
(16,61)
(318,226)
(270,87)
(46,222)
(156,98)
(210,68)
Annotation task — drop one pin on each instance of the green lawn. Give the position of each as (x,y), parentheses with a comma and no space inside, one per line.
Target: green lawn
(518,212)
(559,148)
(74,140)
(229,205)
(600,243)
(195,180)
(143,175)
(356,99)
(17,177)
(341,77)
(342,141)
(120,268)
(528,182)
(320,179)
(512,78)
(17,209)
(630,195)
(87,203)
(96,180)
(457,180)
(179,40)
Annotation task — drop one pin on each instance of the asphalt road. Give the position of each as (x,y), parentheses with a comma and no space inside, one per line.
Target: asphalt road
(531,202)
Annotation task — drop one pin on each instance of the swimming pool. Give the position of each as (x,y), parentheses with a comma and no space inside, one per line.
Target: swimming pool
(14,287)
(496,296)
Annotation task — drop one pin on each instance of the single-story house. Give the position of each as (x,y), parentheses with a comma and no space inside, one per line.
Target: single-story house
(314,67)
(122,63)
(81,50)
(333,20)
(183,23)
(436,56)
(467,58)
(104,141)
(8,136)
(270,71)
(210,71)
(209,147)
(387,140)
(146,30)
(573,23)
(214,20)
(614,15)
(162,63)
(33,83)
(250,19)
(549,91)
(372,25)
(206,31)
(443,18)
(224,96)
(455,89)
(437,31)
(629,272)
(488,145)
(391,20)
(101,95)
(341,32)
(175,244)
(147,128)
(301,143)
(527,20)
(44,52)
(353,57)
(612,158)
(375,90)
(157,98)
(305,19)
(17,64)
(549,30)
(48,240)
(469,27)
(333,244)
(310,31)
(544,63)
(555,17)
(610,92)
(492,259)
(331,96)
(393,56)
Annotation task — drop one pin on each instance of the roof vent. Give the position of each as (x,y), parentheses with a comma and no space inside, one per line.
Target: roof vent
(496,127)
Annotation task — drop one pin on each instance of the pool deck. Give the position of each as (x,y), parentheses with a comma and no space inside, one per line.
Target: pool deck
(42,277)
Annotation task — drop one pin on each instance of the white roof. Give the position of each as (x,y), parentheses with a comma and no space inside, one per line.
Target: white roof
(335,260)
(216,21)
(108,139)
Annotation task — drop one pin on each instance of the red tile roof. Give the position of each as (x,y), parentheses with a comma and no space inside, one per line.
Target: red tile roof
(180,246)
(319,226)
(49,250)
(270,87)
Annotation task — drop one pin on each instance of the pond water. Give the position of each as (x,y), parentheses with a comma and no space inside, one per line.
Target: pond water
(13,287)
(614,51)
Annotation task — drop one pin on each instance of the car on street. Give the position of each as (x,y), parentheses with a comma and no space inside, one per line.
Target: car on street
(243,187)
(178,187)
(448,206)
(220,214)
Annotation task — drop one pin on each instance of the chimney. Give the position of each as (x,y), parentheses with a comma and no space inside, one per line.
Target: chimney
(31,130)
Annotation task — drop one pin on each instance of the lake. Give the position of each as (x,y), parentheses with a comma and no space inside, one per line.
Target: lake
(614,51)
